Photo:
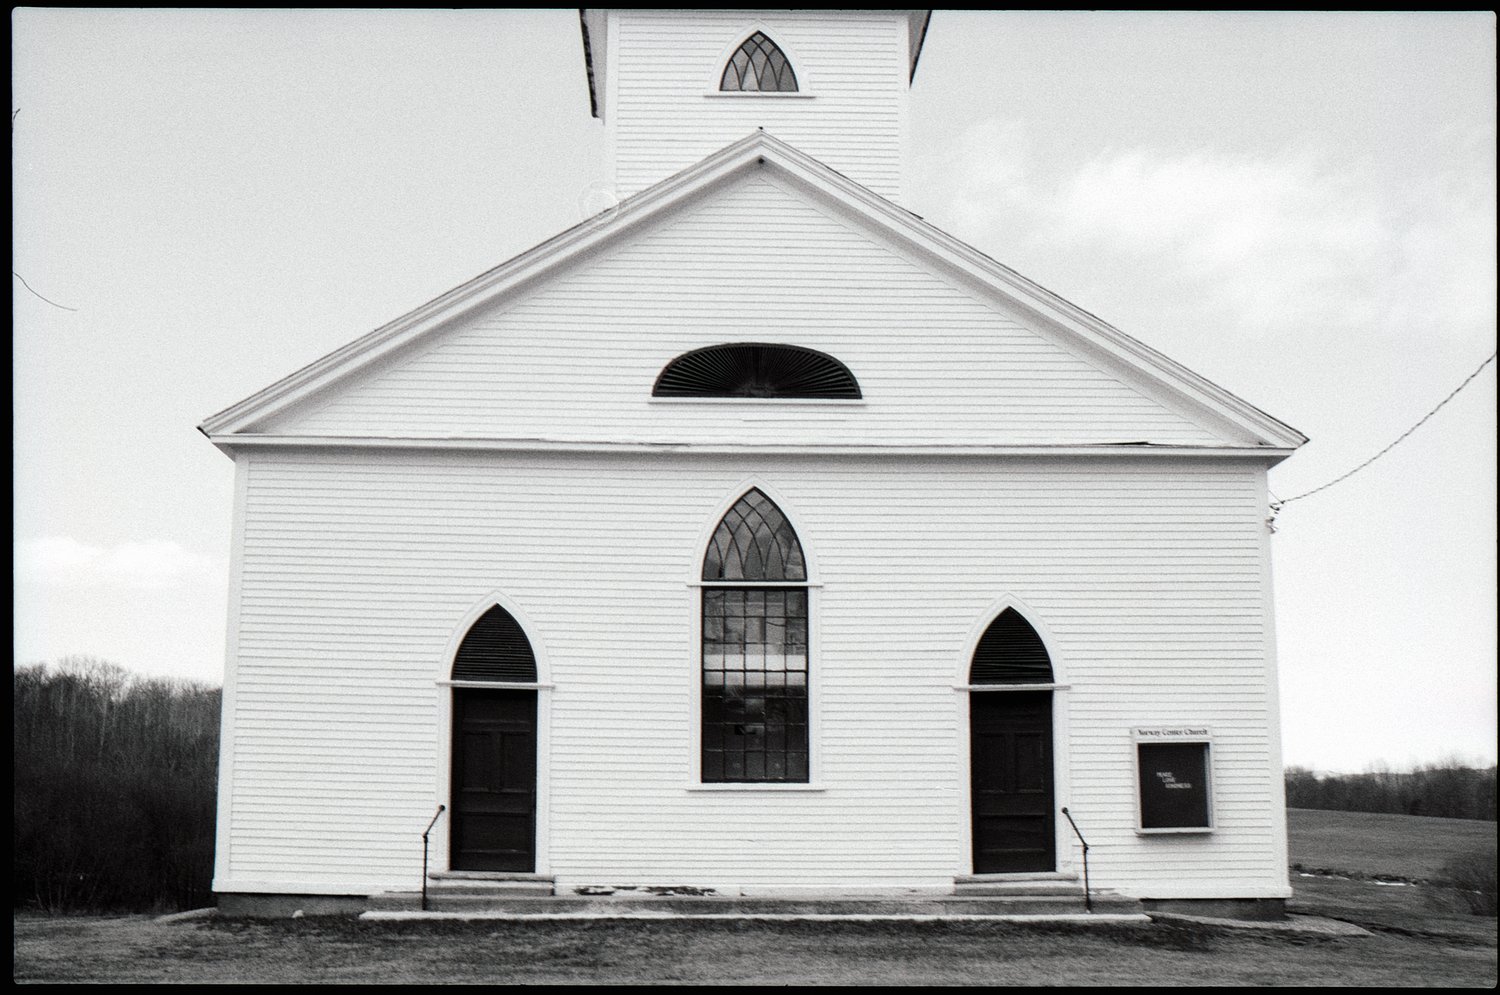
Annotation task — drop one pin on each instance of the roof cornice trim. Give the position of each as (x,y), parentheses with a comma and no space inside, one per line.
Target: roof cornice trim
(926,236)
(757,149)
(1129,450)
(554,252)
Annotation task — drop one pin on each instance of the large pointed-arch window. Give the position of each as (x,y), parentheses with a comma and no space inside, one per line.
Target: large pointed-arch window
(755,659)
(759,65)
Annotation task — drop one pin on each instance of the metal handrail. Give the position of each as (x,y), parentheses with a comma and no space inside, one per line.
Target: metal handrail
(435,815)
(1088,898)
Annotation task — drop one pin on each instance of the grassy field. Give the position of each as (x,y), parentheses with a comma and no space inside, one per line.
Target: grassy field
(331,950)
(1421,937)
(1363,844)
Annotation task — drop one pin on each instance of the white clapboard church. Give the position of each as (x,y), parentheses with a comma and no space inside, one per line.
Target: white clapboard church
(755,536)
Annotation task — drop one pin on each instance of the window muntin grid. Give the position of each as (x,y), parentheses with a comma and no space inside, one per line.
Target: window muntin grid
(759,66)
(755,673)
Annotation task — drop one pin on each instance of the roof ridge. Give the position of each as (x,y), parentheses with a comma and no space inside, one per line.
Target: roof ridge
(758,149)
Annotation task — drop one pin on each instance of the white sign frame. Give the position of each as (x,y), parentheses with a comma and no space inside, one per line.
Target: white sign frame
(1173,734)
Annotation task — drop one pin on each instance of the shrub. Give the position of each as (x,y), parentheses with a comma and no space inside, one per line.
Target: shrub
(1473,877)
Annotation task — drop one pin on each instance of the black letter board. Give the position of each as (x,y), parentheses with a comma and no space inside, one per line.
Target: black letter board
(1174,785)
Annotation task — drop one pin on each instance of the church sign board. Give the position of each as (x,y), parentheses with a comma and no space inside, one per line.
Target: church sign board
(1173,775)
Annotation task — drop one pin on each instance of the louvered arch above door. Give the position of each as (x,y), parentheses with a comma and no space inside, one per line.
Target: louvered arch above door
(1010,652)
(495,649)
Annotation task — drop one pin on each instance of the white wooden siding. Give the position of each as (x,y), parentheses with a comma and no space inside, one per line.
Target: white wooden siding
(663,113)
(576,359)
(357,569)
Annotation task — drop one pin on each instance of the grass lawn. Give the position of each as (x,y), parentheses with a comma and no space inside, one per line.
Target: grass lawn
(138,949)
(1363,844)
(1422,936)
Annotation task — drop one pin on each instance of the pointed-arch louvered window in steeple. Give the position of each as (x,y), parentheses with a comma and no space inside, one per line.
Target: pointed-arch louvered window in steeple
(755,658)
(759,66)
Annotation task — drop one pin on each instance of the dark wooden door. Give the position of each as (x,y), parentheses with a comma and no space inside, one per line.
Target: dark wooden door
(494,780)
(1011,766)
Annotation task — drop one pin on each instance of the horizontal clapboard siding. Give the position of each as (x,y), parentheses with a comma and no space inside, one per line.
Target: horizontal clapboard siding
(576,359)
(666,64)
(1145,575)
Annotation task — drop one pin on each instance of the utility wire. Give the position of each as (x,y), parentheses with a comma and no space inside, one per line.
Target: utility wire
(1278,505)
(28,286)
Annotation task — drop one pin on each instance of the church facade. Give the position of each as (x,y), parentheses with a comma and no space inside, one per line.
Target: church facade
(753,536)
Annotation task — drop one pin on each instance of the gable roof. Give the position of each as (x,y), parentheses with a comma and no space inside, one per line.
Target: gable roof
(760,150)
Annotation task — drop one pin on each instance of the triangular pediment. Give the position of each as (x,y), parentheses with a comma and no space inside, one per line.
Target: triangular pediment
(758,243)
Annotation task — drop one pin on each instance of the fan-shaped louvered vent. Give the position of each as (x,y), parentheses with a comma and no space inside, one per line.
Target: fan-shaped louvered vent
(495,649)
(752,369)
(1010,652)
(754,541)
(759,65)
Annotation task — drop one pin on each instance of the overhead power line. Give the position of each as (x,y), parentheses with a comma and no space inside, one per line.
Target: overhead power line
(29,287)
(1278,505)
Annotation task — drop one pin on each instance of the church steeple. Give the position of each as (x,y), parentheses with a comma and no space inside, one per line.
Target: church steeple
(673,86)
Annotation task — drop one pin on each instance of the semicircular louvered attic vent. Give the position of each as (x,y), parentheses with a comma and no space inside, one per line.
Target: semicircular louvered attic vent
(759,65)
(495,649)
(1010,652)
(756,369)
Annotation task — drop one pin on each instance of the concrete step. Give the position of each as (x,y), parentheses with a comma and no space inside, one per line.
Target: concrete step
(1005,888)
(465,889)
(477,889)
(583,905)
(1019,889)
(487,876)
(532,894)
(395,901)
(487,884)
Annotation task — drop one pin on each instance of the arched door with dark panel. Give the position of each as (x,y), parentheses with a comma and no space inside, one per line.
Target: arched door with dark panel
(493,792)
(1010,759)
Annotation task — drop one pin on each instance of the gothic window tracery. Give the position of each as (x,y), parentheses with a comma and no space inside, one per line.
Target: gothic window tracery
(759,66)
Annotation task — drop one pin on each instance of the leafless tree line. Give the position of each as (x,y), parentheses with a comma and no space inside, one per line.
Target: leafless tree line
(1450,790)
(114,788)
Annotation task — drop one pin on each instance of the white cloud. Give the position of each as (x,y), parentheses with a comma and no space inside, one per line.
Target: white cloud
(1274,238)
(62,561)
(1285,243)
(983,173)
(1220,212)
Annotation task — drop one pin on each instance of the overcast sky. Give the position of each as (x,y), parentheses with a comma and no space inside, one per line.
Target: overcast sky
(1300,207)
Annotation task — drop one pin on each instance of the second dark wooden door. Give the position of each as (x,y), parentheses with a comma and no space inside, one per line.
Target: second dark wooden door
(1011,766)
(494,780)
